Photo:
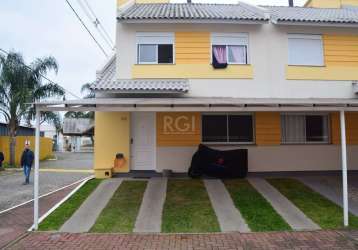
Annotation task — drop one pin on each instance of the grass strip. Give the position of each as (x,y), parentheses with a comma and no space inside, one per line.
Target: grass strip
(256,210)
(324,212)
(187,208)
(56,219)
(120,214)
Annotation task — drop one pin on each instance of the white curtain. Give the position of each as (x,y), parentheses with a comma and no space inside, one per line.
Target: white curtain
(237,54)
(293,128)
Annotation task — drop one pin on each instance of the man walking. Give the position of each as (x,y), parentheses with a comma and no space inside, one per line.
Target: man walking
(27,159)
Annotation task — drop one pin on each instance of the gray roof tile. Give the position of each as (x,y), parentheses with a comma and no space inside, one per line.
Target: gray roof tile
(194,11)
(315,15)
(145,85)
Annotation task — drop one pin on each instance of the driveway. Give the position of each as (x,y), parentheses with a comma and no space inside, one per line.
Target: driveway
(71,161)
(14,193)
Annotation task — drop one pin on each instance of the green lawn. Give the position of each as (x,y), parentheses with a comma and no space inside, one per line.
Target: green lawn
(121,211)
(325,213)
(258,213)
(187,208)
(56,219)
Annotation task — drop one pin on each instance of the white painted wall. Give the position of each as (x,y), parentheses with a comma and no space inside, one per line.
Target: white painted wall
(268,158)
(268,55)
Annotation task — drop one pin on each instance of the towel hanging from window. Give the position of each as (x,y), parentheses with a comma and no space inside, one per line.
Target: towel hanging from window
(219,57)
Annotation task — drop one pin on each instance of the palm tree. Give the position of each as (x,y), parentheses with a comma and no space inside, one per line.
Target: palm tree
(86,89)
(21,85)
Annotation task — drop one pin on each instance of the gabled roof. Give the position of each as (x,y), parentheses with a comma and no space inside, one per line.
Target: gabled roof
(145,86)
(194,11)
(313,15)
(107,73)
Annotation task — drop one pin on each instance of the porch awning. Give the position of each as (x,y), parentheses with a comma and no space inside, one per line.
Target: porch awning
(143,86)
(201,104)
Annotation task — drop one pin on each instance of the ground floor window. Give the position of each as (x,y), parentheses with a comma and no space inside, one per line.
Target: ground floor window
(227,128)
(305,128)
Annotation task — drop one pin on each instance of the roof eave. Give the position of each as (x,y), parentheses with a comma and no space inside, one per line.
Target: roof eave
(318,24)
(195,21)
(114,91)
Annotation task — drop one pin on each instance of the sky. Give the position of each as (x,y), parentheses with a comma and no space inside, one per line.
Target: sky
(40,28)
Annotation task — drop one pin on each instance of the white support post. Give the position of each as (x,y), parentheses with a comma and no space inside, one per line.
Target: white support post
(344,167)
(36,174)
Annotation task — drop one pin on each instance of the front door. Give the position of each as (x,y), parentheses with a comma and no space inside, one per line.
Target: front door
(143,141)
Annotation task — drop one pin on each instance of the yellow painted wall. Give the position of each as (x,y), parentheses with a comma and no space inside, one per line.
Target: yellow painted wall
(45,147)
(268,128)
(335,128)
(350,2)
(341,50)
(329,3)
(200,71)
(341,61)
(337,73)
(112,136)
(192,47)
(323,3)
(351,128)
(178,129)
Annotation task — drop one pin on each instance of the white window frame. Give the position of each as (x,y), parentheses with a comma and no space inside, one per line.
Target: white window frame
(305,142)
(156,39)
(231,39)
(306,37)
(227,129)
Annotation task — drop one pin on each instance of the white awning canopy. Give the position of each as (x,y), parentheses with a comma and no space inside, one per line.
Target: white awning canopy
(198,104)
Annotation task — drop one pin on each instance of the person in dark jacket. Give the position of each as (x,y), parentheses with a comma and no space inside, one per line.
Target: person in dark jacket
(27,158)
(1,158)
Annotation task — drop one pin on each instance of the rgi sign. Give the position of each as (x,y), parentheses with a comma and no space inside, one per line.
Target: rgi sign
(184,124)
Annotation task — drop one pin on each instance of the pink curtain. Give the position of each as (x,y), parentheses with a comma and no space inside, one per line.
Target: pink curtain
(237,54)
(220,53)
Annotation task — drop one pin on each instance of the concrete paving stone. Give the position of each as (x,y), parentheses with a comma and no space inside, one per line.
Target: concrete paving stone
(149,219)
(86,215)
(229,217)
(284,207)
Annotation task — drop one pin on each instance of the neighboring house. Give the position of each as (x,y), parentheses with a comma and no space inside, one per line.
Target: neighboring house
(78,130)
(274,80)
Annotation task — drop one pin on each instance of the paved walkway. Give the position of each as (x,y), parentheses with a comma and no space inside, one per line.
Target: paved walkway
(331,188)
(17,221)
(289,212)
(229,217)
(86,215)
(149,219)
(223,241)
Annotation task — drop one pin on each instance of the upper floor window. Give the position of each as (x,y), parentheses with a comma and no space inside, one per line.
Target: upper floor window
(229,48)
(306,50)
(155,48)
(305,128)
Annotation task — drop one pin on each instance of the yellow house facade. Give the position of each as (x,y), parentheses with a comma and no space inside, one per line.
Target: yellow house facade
(272,80)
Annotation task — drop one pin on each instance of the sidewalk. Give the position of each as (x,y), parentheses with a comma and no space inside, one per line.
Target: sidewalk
(222,241)
(17,221)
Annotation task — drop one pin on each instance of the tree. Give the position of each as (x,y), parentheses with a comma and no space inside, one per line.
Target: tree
(21,85)
(86,89)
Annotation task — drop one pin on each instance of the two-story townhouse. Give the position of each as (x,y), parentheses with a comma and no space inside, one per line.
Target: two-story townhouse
(273,80)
